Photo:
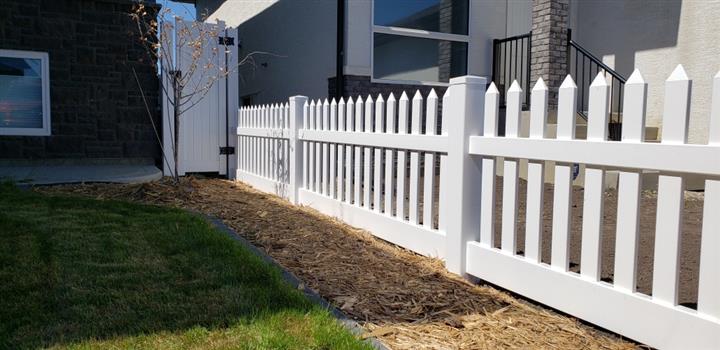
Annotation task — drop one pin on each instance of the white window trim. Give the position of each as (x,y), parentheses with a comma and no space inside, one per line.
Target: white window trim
(45,78)
(416,33)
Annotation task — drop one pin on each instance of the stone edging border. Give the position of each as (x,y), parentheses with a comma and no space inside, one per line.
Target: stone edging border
(346,321)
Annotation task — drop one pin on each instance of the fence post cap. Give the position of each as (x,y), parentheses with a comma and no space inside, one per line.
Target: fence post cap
(468,80)
(298,97)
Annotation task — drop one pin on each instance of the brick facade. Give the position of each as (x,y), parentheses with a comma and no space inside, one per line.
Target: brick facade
(549,44)
(96,107)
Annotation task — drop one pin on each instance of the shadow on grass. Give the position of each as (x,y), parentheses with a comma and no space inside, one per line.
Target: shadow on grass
(85,271)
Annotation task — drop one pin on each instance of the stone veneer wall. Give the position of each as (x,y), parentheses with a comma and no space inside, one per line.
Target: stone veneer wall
(549,44)
(96,106)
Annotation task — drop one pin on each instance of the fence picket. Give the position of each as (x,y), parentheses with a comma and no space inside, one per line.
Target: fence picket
(670,201)
(367,153)
(487,204)
(274,149)
(444,176)
(349,127)
(311,146)
(377,168)
(333,148)
(389,165)
(403,115)
(265,143)
(562,196)
(341,152)
(325,125)
(510,172)
(414,194)
(629,185)
(535,174)
(709,288)
(429,177)
(591,249)
(358,150)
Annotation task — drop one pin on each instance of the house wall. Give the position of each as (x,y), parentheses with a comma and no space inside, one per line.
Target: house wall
(655,36)
(488,21)
(96,106)
(299,38)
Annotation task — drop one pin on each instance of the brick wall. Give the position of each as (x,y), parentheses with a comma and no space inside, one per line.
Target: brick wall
(96,106)
(549,40)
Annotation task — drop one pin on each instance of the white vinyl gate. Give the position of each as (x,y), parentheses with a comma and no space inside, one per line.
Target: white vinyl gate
(208,124)
(371,163)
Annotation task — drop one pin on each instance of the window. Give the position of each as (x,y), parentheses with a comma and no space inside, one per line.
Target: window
(24,93)
(420,41)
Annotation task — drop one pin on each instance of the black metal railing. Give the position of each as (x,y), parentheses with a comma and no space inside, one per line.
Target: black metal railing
(584,67)
(511,61)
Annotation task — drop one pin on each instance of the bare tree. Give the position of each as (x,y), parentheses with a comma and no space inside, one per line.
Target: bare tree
(161,33)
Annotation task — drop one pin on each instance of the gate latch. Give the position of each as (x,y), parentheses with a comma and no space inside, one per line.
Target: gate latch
(227,150)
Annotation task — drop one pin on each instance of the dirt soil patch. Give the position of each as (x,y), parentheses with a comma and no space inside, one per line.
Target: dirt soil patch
(405,300)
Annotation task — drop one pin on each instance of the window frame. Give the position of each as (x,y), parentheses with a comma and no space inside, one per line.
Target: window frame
(415,33)
(45,82)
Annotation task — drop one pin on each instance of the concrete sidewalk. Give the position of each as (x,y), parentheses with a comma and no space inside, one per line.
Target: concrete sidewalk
(62,174)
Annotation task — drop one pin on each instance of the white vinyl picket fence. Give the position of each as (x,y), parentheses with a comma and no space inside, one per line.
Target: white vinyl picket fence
(375,164)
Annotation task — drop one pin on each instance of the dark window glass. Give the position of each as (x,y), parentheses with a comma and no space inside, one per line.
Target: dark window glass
(20,93)
(444,16)
(399,57)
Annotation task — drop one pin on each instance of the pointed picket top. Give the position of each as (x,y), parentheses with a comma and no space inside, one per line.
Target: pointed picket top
(380,98)
(404,97)
(391,97)
(359,100)
(492,110)
(417,96)
(599,80)
(598,112)
(333,102)
(515,87)
(676,109)
(492,89)
(432,94)
(326,102)
(350,101)
(540,85)
(312,103)
(635,78)
(369,99)
(678,74)
(567,109)
(342,101)
(635,95)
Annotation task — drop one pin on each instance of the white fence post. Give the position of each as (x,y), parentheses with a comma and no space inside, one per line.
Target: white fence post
(464,116)
(297,110)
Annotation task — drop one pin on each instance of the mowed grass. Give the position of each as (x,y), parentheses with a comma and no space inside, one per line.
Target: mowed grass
(82,274)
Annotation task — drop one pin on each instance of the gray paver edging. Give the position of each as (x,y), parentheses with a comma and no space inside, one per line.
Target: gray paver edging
(346,321)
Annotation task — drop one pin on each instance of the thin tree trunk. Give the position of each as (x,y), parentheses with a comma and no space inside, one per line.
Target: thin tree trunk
(176,120)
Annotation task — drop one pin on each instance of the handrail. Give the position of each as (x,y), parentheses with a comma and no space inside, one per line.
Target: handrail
(583,77)
(595,59)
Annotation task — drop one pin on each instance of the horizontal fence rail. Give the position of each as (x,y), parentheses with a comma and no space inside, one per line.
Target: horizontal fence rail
(385,165)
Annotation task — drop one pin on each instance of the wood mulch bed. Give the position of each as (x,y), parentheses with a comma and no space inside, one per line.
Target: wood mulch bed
(405,300)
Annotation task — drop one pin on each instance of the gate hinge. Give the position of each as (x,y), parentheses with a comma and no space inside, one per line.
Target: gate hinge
(227,150)
(226,40)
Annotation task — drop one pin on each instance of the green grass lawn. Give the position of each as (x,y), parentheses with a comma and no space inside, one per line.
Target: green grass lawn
(81,273)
